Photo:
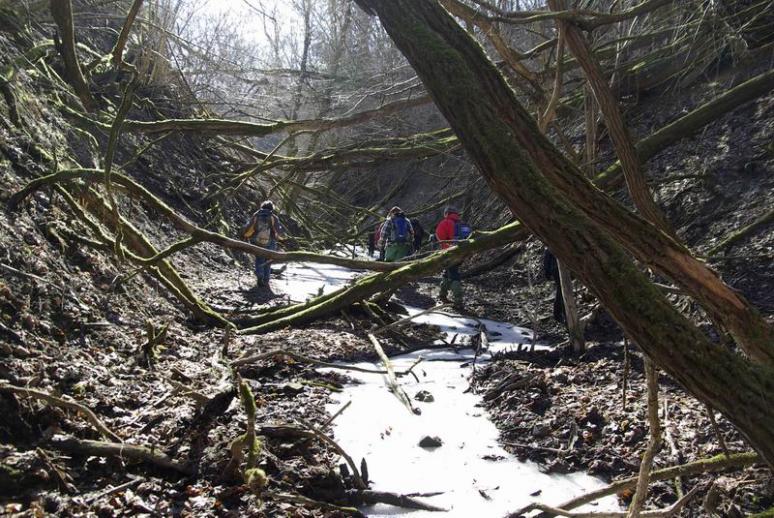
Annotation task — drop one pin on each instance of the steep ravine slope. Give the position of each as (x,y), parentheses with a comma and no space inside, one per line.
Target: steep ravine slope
(74,317)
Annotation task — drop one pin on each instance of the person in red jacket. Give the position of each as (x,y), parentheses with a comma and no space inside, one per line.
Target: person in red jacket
(446,233)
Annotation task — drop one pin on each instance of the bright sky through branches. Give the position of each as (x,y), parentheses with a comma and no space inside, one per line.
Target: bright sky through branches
(255,21)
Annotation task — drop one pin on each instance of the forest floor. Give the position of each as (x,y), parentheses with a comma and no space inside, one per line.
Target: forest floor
(569,417)
(73,322)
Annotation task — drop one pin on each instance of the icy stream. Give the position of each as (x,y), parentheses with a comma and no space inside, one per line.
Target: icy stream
(473,475)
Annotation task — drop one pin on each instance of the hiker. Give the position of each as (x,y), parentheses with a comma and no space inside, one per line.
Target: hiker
(396,237)
(448,232)
(551,273)
(373,239)
(264,230)
(419,233)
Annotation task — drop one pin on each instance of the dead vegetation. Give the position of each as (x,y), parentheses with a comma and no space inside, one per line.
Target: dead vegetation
(129,345)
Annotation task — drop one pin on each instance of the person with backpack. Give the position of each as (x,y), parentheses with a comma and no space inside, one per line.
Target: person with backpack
(448,232)
(264,230)
(396,237)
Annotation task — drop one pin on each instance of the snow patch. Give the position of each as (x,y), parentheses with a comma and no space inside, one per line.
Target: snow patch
(476,476)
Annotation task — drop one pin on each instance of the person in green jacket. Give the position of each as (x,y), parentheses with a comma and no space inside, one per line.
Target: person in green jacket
(397,236)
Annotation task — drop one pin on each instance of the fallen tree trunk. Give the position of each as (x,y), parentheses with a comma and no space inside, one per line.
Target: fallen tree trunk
(498,260)
(142,247)
(657,250)
(251,129)
(394,273)
(552,198)
(199,234)
(740,233)
(377,283)
(692,122)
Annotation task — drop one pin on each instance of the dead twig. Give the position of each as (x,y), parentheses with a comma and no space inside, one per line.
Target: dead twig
(558,451)
(716,429)
(11,269)
(641,493)
(340,411)
(63,403)
(115,489)
(183,390)
(392,381)
(312,432)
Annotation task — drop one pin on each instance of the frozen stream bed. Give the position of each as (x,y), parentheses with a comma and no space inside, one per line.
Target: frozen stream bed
(473,475)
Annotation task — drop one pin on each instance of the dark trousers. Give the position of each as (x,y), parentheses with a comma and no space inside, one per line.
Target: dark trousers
(263,266)
(559,314)
(452,273)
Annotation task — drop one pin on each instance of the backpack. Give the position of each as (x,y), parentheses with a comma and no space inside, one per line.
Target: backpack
(263,230)
(462,230)
(401,230)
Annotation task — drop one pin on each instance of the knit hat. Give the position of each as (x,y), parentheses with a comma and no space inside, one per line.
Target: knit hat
(451,209)
(267,205)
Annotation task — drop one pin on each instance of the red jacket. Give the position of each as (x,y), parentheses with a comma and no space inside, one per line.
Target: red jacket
(445,230)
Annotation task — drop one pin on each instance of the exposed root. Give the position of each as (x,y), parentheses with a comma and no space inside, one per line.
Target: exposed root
(63,403)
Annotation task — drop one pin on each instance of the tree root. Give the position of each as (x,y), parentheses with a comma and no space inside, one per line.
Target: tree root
(641,493)
(325,506)
(662,513)
(742,232)
(121,450)
(699,467)
(369,497)
(87,413)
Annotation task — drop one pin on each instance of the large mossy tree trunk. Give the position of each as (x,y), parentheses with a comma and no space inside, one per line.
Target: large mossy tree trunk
(526,148)
(550,196)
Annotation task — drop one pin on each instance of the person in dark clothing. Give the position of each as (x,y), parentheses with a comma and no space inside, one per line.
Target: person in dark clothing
(371,243)
(373,239)
(264,230)
(419,234)
(551,272)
